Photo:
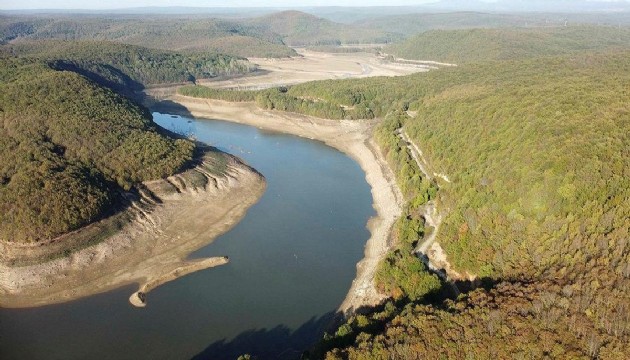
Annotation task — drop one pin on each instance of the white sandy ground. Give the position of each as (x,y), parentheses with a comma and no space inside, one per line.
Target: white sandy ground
(150,249)
(351,137)
(314,65)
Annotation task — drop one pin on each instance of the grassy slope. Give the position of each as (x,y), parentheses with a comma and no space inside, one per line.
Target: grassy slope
(464,46)
(67,149)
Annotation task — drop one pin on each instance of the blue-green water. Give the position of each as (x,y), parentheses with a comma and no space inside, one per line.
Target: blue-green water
(292,260)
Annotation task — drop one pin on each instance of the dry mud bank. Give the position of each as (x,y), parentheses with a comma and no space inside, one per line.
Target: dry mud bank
(170,219)
(312,65)
(351,137)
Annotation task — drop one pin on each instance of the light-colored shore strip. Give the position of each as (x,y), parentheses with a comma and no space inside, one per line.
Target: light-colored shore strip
(436,64)
(351,137)
(142,251)
(139,298)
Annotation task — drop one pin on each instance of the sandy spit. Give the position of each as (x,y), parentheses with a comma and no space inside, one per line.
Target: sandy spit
(139,298)
(149,249)
(351,137)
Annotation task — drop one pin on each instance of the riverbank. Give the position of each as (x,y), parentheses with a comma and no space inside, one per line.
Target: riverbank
(352,138)
(139,298)
(169,220)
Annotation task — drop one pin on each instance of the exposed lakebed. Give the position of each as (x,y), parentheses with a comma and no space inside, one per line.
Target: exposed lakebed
(292,260)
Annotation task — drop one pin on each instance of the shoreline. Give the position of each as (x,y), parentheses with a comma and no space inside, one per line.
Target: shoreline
(154,244)
(351,137)
(139,298)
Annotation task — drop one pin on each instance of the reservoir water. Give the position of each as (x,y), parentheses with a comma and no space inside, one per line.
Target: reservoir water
(292,260)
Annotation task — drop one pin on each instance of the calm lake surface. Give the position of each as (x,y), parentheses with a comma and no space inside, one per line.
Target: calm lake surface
(292,260)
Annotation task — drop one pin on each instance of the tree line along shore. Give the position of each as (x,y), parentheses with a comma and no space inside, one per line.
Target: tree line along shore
(535,147)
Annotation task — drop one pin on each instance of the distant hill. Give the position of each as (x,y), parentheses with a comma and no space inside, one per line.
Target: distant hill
(246,46)
(265,36)
(461,46)
(270,35)
(301,29)
(127,67)
(532,5)
(168,33)
(412,24)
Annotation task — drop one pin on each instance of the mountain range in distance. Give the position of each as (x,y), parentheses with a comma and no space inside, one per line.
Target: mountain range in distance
(341,13)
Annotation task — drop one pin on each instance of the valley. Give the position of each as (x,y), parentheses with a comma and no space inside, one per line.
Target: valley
(337,183)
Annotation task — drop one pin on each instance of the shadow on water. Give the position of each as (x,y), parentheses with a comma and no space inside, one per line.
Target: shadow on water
(167,107)
(276,343)
(381,315)
(307,341)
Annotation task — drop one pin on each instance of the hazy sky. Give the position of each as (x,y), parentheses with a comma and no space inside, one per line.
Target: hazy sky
(117,4)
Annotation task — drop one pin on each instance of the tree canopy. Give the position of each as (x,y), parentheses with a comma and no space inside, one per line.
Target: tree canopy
(68,147)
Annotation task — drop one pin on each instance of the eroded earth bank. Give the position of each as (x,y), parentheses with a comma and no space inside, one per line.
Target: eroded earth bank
(148,243)
(352,138)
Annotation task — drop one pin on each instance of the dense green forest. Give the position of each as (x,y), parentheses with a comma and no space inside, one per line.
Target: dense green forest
(401,274)
(538,208)
(191,34)
(464,46)
(127,67)
(266,36)
(246,46)
(533,130)
(279,99)
(68,148)
(299,29)
(538,153)
(333,99)
(271,35)
(413,24)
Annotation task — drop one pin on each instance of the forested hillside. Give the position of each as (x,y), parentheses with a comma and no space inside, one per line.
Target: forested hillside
(332,99)
(538,155)
(299,29)
(68,147)
(532,129)
(464,46)
(538,152)
(266,36)
(157,32)
(415,23)
(127,67)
